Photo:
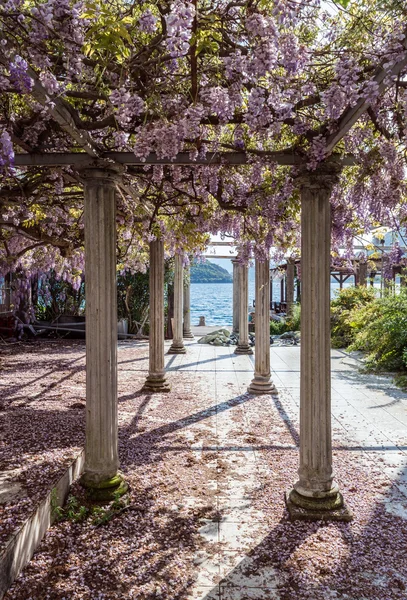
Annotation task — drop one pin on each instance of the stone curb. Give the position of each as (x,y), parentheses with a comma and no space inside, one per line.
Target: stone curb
(20,548)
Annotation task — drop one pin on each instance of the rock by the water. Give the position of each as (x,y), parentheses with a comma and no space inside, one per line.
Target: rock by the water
(221,337)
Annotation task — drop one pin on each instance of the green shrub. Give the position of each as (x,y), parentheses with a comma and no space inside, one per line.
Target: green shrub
(344,325)
(278,327)
(382,333)
(292,323)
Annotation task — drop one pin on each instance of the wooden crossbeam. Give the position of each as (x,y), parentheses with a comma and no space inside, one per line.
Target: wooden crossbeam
(80,159)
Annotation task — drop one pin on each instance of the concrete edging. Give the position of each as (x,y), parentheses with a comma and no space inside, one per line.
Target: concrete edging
(21,547)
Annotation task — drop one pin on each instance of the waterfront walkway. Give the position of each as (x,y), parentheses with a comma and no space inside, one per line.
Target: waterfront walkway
(208,466)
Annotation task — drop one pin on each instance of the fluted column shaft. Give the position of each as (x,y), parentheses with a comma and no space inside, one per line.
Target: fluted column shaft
(236,273)
(101,447)
(243,346)
(177,346)
(315,492)
(261,383)
(187,333)
(156,380)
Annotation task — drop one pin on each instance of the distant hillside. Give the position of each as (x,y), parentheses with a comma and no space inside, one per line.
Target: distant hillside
(208,272)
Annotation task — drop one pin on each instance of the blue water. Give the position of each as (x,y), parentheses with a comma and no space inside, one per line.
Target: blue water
(214,301)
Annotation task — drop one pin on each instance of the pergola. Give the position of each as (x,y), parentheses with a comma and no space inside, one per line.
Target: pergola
(315,495)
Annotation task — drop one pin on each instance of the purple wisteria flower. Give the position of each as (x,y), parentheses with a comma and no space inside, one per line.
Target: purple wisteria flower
(179,25)
(6,151)
(147,22)
(19,76)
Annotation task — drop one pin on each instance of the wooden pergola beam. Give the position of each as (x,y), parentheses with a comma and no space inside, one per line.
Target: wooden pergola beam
(80,159)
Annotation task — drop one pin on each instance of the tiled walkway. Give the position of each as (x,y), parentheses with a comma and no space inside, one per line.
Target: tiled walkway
(369,422)
(208,465)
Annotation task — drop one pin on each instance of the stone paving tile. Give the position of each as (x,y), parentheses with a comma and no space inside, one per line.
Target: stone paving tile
(217,426)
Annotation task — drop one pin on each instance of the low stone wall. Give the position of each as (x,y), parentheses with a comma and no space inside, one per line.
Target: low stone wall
(23,544)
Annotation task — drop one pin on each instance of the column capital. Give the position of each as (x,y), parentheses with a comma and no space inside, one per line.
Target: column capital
(101,172)
(324,177)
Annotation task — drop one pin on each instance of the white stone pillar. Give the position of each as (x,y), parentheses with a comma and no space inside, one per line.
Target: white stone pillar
(156,380)
(235,324)
(177,346)
(243,346)
(187,333)
(290,287)
(315,495)
(261,383)
(101,475)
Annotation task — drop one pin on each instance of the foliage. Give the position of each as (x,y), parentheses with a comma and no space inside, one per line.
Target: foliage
(78,510)
(292,323)
(344,325)
(196,77)
(208,272)
(57,297)
(133,298)
(382,333)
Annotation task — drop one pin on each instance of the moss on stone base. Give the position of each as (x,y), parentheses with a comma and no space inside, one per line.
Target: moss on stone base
(304,508)
(107,490)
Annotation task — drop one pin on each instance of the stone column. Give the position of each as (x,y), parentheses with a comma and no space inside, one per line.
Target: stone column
(261,383)
(235,327)
(315,495)
(177,346)
(156,380)
(243,346)
(290,287)
(101,475)
(187,333)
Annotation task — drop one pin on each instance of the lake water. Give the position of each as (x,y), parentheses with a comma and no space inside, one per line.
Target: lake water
(214,301)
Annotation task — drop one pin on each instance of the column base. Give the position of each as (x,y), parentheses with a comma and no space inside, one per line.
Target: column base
(156,385)
(177,349)
(306,508)
(188,335)
(105,491)
(244,349)
(262,385)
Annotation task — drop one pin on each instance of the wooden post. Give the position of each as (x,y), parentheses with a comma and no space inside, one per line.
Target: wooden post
(290,287)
